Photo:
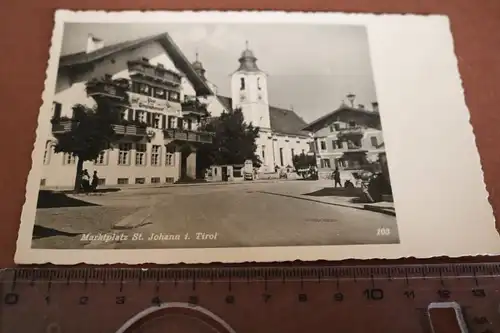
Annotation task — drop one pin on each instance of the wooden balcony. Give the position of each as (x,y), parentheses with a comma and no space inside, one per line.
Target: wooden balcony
(122,130)
(156,73)
(188,136)
(351,132)
(194,108)
(106,89)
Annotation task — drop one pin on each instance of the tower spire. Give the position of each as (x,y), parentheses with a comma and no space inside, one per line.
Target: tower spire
(196,54)
(246,44)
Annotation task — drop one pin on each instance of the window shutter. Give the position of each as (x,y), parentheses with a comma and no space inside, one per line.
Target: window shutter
(137,115)
(130,114)
(164,121)
(148,118)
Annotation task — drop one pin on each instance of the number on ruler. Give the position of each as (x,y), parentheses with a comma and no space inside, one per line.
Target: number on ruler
(193,300)
(11,299)
(120,300)
(479,293)
(443,293)
(374,294)
(410,294)
(383,232)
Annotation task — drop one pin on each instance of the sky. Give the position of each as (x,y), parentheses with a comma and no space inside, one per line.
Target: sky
(311,68)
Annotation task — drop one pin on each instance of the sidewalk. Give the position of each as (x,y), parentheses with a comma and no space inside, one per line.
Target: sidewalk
(144,186)
(341,201)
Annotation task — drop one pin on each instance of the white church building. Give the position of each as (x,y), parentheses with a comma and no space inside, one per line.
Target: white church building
(281,130)
(162,115)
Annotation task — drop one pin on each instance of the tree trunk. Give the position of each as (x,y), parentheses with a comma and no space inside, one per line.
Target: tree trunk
(78,177)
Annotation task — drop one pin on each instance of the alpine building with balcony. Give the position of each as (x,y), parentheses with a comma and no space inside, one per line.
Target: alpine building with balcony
(349,138)
(161,97)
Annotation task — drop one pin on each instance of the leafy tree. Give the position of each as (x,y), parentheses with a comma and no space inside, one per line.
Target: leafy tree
(233,141)
(303,161)
(91,132)
(91,129)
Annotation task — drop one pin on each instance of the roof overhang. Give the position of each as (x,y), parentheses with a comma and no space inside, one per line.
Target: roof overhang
(319,123)
(79,60)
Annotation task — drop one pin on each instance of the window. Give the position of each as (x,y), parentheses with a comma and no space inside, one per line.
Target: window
(69,159)
(174,96)
(122,181)
(180,123)
(172,122)
(281,157)
(101,158)
(140,180)
(242,83)
(169,179)
(140,154)
(47,153)
(293,152)
(155,180)
(155,155)
(337,144)
(374,141)
(332,128)
(258,84)
(169,156)
(124,153)
(42,182)
(325,163)
(140,116)
(189,124)
(303,151)
(263,153)
(352,123)
(56,110)
(101,181)
(144,89)
(160,93)
(156,120)
(336,126)
(323,145)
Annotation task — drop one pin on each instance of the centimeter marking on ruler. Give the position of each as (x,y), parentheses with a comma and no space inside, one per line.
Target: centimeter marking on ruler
(252,274)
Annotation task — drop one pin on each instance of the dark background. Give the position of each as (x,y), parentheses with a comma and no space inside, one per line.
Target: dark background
(26,30)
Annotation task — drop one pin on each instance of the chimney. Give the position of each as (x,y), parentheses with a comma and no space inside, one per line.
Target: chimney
(94,44)
(361,106)
(375,106)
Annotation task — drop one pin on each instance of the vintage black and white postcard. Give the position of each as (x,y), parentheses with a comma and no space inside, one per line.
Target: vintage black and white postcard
(197,137)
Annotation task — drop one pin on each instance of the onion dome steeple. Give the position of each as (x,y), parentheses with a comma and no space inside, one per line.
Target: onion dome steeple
(198,67)
(248,61)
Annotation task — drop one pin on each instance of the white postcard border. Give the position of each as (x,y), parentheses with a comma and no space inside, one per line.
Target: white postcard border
(421,99)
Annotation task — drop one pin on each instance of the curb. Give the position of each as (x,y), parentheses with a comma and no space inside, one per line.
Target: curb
(382,210)
(313,200)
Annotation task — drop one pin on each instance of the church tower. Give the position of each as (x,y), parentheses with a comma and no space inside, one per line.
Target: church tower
(249,91)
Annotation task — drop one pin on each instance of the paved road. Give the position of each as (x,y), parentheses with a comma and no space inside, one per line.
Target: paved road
(228,216)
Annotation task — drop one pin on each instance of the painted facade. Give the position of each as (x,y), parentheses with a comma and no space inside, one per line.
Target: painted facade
(348,138)
(159,121)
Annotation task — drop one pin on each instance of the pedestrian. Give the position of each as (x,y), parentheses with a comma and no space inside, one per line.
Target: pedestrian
(95,181)
(336,178)
(85,180)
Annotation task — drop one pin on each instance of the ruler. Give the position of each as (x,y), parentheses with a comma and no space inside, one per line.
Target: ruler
(390,299)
